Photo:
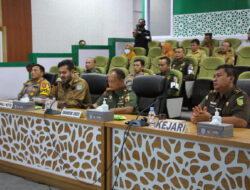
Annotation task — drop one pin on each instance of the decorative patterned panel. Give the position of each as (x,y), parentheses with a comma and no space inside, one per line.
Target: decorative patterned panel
(159,162)
(64,148)
(219,23)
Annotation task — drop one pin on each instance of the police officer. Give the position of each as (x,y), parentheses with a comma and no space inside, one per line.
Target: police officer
(138,70)
(72,91)
(226,53)
(141,35)
(183,65)
(119,98)
(37,87)
(233,102)
(90,66)
(172,79)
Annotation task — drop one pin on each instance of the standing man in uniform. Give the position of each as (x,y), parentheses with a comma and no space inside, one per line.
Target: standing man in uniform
(37,87)
(72,91)
(138,70)
(226,53)
(141,35)
(196,52)
(208,42)
(172,79)
(119,98)
(233,102)
(90,66)
(183,65)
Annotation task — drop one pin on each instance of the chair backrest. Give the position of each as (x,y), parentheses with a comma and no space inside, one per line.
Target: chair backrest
(244,84)
(244,57)
(174,43)
(208,67)
(148,71)
(244,75)
(186,43)
(154,52)
(97,84)
(119,61)
(234,41)
(144,58)
(102,61)
(180,79)
(54,69)
(215,42)
(154,43)
(140,51)
(148,88)
(51,77)
(154,64)
(79,69)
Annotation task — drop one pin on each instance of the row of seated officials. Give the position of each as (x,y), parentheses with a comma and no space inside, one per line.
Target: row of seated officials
(72,91)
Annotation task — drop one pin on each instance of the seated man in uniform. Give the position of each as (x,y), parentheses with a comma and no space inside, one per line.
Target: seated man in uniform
(183,65)
(72,91)
(138,70)
(172,79)
(208,43)
(196,52)
(233,102)
(37,87)
(90,66)
(226,53)
(119,98)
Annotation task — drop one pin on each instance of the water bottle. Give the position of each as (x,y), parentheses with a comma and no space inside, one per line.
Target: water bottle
(54,104)
(151,117)
(47,103)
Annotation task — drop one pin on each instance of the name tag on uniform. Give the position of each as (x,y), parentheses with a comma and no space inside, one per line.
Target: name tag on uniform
(174,85)
(171,126)
(71,113)
(8,105)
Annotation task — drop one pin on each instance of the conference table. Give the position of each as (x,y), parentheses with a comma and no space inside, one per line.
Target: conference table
(76,153)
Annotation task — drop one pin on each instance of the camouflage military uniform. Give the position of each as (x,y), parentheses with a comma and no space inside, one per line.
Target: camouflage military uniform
(74,94)
(199,55)
(123,98)
(233,103)
(35,89)
(129,79)
(228,56)
(173,83)
(185,67)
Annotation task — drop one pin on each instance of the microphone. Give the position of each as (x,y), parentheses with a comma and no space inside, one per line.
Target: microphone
(142,122)
(51,111)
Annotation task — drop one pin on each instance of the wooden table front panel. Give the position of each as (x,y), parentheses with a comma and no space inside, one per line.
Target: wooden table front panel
(64,148)
(159,162)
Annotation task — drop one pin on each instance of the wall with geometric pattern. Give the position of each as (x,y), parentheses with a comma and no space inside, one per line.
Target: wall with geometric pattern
(233,22)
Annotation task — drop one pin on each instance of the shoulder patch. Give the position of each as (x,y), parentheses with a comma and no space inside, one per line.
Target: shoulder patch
(44,85)
(240,101)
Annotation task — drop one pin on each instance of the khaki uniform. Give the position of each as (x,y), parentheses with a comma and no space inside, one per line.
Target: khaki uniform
(123,98)
(185,67)
(210,46)
(35,89)
(199,55)
(91,71)
(173,83)
(129,79)
(233,103)
(228,56)
(74,94)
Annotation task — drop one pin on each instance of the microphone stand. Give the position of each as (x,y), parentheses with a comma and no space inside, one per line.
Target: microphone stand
(51,111)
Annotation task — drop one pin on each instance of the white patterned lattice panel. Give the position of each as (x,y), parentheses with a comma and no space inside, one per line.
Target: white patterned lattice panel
(219,23)
(65,148)
(159,162)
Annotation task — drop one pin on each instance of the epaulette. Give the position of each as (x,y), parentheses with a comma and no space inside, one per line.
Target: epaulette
(212,91)
(237,91)
(125,90)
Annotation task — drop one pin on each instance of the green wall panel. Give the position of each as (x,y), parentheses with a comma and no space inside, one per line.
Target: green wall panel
(200,6)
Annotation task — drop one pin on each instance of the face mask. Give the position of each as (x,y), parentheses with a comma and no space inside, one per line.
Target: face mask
(126,51)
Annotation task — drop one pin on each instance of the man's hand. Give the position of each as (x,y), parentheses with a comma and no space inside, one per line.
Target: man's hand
(199,115)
